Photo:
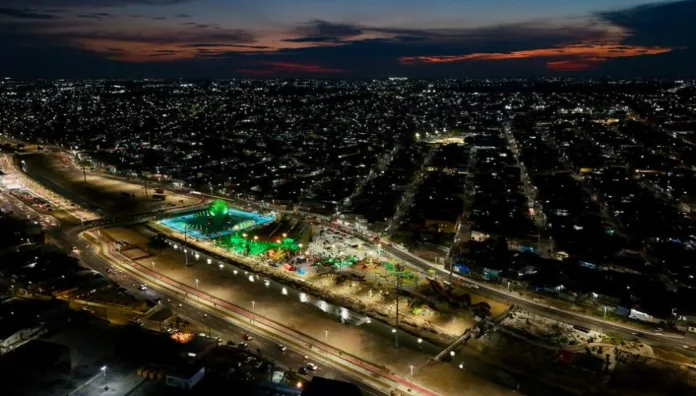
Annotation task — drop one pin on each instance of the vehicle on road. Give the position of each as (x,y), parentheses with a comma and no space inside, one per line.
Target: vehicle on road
(302,370)
(142,287)
(243,345)
(247,337)
(282,347)
(312,367)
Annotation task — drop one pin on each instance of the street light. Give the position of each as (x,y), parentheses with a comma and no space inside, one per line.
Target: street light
(253,310)
(103,369)
(153,264)
(326,334)
(198,290)
(411,367)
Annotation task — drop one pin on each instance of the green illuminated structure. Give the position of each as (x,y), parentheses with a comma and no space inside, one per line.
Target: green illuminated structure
(219,208)
(250,247)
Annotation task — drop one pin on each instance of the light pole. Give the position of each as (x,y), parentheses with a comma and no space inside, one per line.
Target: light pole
(253,311)
(103,369)
(326,334)
(198,291)
(186,243)
(396,329)
(153,265)
(411,367)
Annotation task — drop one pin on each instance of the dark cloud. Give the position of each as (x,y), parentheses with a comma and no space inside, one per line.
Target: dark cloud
(231,36)
(323,31)
(219,45)
(410,38)
(657,24)
(182,16)
(96,15)
(340,47)
(89,3)
(313,39)
(24,14)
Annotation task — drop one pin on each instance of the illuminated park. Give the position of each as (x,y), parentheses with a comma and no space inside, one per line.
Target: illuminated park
(216,221)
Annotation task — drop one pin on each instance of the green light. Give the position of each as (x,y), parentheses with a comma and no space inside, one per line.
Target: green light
(218,208)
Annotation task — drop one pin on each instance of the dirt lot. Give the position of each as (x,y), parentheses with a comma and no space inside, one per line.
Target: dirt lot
(113,196)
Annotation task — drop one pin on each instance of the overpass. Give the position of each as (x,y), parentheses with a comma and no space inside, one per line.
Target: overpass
(139,217)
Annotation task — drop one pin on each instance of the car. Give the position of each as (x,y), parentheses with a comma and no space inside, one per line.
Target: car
(282,347)
(181,305)
(243,345)
(247,337)
(303,371)
(685,346)
(312,366)
(142,287)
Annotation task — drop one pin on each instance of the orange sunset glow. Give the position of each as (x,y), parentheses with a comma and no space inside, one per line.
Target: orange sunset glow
(582,56)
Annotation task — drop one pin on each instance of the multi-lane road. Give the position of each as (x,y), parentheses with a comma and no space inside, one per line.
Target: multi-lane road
(225,328)
(218,325)
(548,311)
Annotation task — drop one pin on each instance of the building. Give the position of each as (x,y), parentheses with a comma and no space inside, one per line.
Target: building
(180,361)
(23,320)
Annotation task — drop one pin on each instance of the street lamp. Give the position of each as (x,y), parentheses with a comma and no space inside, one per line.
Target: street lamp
(411,367)
(198,291)
(253,311)
(153,264)
(103,369)
(326,334)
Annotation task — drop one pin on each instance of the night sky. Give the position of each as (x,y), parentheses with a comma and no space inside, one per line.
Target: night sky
(347,38)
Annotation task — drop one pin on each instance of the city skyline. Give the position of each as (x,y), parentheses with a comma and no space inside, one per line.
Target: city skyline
(279,38)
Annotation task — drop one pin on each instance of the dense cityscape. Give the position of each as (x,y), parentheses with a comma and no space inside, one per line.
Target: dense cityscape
(308,237)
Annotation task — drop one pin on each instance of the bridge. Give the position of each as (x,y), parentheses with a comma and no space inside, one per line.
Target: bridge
(105,221)
(467,333)
(450,348)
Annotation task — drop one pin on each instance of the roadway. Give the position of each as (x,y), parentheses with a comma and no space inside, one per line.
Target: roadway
(225,327)
(548,311)
(68,237)
(494,293)
(481,288)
